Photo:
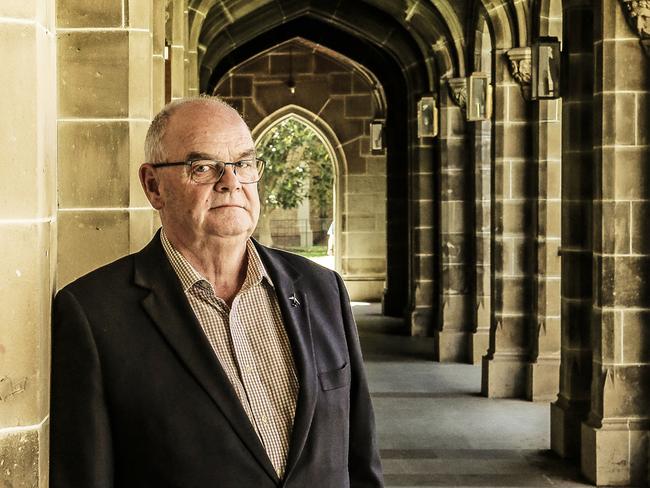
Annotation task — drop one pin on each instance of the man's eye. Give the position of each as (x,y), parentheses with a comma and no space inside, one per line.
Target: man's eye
(201,168)
(243,164)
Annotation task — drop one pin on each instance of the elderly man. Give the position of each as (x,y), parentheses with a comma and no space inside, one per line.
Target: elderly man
(207,360)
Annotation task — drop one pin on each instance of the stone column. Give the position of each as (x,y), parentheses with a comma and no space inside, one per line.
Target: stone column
(452,338)
(480,340)
(176,34)
(615,435)
(424,306)
(105,101)
(577,189)
(544,365)
(158,55)
(505,364)
(27,236)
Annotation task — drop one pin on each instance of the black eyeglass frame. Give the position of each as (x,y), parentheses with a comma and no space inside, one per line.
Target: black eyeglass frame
(260,163)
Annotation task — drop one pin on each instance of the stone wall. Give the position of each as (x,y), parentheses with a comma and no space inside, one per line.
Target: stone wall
(27,236)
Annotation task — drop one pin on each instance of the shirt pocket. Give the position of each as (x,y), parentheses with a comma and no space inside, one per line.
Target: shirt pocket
(336,378)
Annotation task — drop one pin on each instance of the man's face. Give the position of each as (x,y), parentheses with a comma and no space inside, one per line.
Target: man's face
(228,208)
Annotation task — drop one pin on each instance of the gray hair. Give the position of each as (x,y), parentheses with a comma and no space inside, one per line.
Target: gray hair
(154,149)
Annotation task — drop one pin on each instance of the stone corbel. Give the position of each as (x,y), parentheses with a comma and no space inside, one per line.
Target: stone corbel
(638,16)
(458,91)
(519,59)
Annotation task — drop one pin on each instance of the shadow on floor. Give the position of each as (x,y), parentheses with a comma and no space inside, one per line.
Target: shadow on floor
(434,427)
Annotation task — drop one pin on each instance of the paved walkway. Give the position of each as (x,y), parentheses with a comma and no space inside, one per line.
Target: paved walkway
(436,430)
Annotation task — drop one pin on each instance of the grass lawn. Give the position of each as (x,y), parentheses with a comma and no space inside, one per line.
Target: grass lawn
(309,252)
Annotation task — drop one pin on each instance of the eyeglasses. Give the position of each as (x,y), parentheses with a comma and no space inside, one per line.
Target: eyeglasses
(209,171)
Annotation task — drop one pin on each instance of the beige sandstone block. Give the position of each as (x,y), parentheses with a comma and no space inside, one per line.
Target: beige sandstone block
(81,13)
(451,346)
(424,293)
(365,244)
(158,26)
(139,75)
(613,455)
(478,346)
(177,56)
(363,266)
(25,324)
(22,455)
(366,184)
(365,290)
(93,164)
(565,431)
(88,240)
(137,133)
(28,152)
(512,333)
(137,14)
(543,380)
(503,377)
(158,89)
(94,74)
(141,228)
(42,11)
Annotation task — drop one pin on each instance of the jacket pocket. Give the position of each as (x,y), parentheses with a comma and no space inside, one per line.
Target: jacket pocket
(337,378)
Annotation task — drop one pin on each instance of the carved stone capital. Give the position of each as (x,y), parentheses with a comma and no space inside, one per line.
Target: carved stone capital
(458,91)
(519,60)
(638,16)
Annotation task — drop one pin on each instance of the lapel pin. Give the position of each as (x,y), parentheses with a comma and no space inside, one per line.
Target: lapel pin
(294,301)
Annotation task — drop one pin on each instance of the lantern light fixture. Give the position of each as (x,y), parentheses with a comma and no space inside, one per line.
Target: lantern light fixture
(545,79)
(479,97)
(427,117)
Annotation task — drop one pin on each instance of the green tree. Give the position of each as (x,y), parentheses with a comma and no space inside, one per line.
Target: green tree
(298,166)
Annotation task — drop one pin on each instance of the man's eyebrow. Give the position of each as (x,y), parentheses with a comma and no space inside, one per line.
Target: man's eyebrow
(248,154)
(199,155)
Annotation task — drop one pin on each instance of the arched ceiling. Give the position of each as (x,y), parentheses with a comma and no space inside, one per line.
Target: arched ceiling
(424,33)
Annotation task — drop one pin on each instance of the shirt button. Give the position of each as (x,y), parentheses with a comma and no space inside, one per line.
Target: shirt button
(265,419)
(248,369)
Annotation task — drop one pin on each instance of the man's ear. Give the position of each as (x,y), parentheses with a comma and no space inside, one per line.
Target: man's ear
(151,185)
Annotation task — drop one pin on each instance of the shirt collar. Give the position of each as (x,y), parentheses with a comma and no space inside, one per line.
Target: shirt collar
(189,276)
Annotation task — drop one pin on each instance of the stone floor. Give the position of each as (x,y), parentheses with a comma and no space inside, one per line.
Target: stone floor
(436,430)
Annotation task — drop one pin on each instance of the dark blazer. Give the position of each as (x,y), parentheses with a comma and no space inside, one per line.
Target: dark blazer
(140,400)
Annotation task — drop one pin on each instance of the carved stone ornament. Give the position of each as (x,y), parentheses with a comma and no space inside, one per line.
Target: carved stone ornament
(638,16)
(458,91)
(519,59)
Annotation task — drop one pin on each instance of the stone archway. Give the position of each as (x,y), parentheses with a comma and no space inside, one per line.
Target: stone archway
(336,153)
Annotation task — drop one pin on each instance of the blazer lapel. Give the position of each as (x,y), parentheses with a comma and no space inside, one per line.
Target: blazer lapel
(169,309)
(295,314)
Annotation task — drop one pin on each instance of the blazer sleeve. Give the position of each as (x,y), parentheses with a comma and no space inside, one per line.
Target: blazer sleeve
(364,464)
(80,436)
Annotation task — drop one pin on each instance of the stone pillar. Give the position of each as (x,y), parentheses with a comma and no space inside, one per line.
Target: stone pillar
(105,104)
(424,304)
(480,340)
(158,55)
(544,365)
(505,364)
(176,29)
(577,190)
(615,435)
(452,338)
(27,237)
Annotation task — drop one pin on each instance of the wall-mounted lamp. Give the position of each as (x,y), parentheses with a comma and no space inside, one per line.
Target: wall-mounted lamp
(427,117)
(479,97)
(376,137)
(546,68)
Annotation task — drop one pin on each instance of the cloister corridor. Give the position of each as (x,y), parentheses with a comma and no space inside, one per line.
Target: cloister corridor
(488,192)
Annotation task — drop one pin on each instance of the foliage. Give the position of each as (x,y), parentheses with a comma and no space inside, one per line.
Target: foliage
(297,166)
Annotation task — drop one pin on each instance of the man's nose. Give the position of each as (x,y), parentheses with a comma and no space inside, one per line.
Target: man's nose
(228,180)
